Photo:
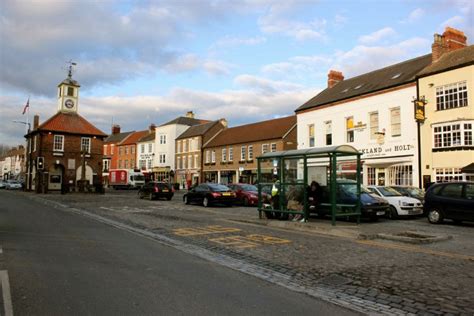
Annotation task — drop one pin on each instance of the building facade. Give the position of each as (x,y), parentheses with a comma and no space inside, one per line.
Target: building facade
(446,86)
(110,159)
(165,146)
(146,153)
(189,151)
(12,164)
(230,157)
(127,150)
(64,149)
(372,112)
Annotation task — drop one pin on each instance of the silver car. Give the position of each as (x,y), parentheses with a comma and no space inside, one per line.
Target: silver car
(13,185)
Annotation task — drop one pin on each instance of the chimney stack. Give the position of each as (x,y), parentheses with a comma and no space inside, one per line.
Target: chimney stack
(224,123)
(190,114)
(151,128)
(451,40)
(334,77)
(115,129)
(36,119)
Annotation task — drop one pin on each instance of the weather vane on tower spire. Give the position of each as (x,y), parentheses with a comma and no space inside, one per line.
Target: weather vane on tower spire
(69,71)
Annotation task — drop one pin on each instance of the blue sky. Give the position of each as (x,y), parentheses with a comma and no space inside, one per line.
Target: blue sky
(142,62)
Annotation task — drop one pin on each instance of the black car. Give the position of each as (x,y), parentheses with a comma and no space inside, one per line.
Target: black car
(153,190)
(372,206)
(210,193)
(451,200)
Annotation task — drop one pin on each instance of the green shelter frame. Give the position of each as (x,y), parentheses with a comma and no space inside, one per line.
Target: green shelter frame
(289,176)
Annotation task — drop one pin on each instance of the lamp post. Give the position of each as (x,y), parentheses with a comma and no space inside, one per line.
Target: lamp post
(27,154)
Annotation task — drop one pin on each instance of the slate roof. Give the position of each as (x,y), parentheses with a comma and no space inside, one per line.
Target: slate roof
(133,138)
(115,138)
(185,121)
(455,59)
(265,130)
(71,123)
(147,138)
(381,79)
(197,130)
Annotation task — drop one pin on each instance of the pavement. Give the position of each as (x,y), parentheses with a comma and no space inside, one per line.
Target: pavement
(347,264)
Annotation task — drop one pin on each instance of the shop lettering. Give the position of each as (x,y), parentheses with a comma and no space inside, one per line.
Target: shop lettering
(374,150)
(402,147)
(381,151)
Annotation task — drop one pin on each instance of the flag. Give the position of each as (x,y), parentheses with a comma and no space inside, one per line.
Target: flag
(26,106)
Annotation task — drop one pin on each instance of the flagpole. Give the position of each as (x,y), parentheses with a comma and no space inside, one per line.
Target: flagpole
(28,117)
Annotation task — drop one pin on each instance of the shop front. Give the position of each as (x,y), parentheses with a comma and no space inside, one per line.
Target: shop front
(162,174)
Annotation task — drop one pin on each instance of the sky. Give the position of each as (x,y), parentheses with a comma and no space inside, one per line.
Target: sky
(143,62)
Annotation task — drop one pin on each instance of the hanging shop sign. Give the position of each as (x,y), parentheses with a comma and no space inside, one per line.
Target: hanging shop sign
(420,109)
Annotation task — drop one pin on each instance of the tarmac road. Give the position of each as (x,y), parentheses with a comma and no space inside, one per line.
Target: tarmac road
(61,263)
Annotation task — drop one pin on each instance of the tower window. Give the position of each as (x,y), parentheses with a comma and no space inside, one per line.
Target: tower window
(70,91)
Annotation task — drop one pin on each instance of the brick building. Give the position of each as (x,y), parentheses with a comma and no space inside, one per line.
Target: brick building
(60,147)
(110,160)
(189,151)
(127,150)
(230,157)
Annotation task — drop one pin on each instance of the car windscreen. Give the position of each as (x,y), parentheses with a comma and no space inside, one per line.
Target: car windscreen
(352,188)
(388,191)
(218,187)
(249,187)
(138,177)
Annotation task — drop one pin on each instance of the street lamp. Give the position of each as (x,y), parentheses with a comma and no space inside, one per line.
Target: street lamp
(22,122)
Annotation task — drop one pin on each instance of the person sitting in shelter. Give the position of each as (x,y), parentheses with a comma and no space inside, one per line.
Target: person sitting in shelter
(314,195)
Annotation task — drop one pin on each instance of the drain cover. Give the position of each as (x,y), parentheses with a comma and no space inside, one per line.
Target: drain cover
(334,280)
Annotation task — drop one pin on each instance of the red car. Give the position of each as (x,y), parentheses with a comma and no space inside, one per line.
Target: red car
(246,194)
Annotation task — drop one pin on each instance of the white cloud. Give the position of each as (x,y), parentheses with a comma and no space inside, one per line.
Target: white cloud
(339,20)
(298,67)
(414,16)
(265,85)
(455,21)
(382,34)
(229,41)
(191,62)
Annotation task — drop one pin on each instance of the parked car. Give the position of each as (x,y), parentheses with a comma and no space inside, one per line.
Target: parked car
(372,206)
(210,193)
(2,184)
(410,191)
(452,200)
(246,194)
(13,185)
(399,205)
(153,190)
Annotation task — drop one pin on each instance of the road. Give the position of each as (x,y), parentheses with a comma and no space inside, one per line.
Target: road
(61,263)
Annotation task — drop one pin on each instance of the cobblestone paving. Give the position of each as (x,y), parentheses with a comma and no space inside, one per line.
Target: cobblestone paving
(377,278)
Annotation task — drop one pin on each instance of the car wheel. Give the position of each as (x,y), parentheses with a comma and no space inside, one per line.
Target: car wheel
(205,202)
(185,199)
(150,197)
(392,213)
(246,201)
(435,216)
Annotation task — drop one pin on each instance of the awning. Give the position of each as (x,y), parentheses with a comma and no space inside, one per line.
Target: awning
(468,169)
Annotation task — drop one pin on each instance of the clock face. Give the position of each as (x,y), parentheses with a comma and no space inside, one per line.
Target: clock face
(69,103)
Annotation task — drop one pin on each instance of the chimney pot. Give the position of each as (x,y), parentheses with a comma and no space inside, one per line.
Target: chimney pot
(224,122)
(190,114)
(334,77)
(36,121)
(452,39)
(115,129)
(151,128)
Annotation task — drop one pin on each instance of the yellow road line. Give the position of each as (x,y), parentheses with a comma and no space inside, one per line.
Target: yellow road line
(415,249)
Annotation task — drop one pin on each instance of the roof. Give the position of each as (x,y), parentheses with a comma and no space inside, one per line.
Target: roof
(271,129)
(185,121)
(133,138)
(314,151)
(388,77)
(147,138)
(70,81)
(71,123)
(116,138)
(455,59)
(197,130)
(468,169)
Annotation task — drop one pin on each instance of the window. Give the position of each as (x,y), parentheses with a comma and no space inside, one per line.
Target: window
(162,139)
(452,191)
(126,150)
(243,151)
(178,163)
(142,148)
(150,147)
(178,149)
(132,149)
(274,147)
(264,148)
(142,164)
(112,149)
(448,174)
(185,145)
(231,154)
(208,156)
(86,144)
(162,158)
(395,122)
(126,164)
(311,135)
(34,143)
(120,163)
(250,155)
(132,163)
(120,150)
(213,156)
(224,154)
(184,162)
(328,127)
(196,161)
(400,175)
(105,165)
(190,162)
(58,143)
(452,135)
(371,176)
(350,129)
(149,163)
(70,91)
(451,96)
(374,124)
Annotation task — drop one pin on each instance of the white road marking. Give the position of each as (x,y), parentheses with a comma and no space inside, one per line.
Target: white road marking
(7,298)
(1,250)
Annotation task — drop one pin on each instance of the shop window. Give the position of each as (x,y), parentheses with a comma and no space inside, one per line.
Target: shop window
(371,176)
(400,175)
(452,135)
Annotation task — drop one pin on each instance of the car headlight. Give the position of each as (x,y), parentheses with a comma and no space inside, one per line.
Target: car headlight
(403,203)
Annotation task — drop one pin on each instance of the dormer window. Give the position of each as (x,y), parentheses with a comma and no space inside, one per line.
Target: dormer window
(70,91)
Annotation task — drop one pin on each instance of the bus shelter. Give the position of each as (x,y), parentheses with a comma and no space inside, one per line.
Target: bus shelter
(283,178)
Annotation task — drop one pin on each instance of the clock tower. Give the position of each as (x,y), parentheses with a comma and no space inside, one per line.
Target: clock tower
(68,93)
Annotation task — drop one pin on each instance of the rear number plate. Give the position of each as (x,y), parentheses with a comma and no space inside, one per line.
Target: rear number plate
(226,194)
